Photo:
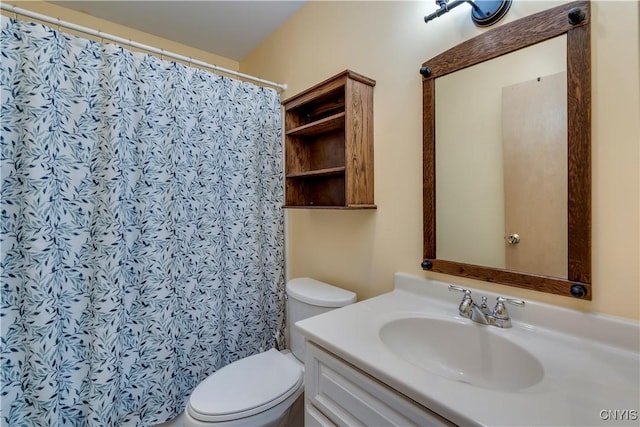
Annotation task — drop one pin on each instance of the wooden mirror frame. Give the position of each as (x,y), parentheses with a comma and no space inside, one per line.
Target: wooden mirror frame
(573,20)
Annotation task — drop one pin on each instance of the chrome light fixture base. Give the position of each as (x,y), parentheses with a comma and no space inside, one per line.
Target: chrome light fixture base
(484,13)
(488,12)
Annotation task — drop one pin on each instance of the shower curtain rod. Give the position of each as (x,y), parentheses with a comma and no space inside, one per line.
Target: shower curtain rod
(128,42)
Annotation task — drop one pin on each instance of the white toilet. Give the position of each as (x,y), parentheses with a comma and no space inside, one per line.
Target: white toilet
(265,389)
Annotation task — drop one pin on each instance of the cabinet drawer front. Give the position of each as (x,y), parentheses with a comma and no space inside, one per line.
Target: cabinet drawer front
(349,397)
(315,418)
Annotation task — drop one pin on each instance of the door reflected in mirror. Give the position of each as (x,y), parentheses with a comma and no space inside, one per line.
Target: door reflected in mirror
(501,169)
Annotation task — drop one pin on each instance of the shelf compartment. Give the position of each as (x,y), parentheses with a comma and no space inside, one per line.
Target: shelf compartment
(324,151)
(327,190)
(314,108)
(327,124)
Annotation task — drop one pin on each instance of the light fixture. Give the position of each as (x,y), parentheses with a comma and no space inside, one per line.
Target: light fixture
(483,12)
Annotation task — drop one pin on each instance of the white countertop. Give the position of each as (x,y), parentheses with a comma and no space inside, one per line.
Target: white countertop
(591,362)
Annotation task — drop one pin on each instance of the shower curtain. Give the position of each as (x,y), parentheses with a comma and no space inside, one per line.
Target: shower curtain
(142,231)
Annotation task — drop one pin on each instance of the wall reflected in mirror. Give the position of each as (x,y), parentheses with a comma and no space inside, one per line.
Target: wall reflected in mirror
(501,163)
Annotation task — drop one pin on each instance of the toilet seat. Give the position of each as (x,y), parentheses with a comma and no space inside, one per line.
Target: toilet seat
(246,387)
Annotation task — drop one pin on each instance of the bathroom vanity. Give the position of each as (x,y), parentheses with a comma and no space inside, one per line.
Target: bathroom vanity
(409,358)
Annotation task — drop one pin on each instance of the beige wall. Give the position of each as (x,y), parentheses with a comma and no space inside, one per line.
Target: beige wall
(86,20)
(388,41)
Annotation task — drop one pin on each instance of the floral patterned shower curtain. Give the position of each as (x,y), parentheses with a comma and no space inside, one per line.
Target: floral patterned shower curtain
(142,231)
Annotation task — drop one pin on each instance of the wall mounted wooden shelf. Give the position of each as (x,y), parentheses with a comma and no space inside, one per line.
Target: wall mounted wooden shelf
(329,144)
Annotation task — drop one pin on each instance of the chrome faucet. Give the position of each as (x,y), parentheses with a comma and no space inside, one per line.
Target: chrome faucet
(499,316)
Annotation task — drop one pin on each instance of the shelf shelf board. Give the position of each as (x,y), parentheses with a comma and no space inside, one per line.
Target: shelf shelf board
(318,173)
(328,124)
(350,207)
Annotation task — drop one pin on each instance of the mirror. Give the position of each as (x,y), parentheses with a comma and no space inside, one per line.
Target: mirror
(507,198)
(513,150)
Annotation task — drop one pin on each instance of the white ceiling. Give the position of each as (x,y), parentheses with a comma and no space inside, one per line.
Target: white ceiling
(228,28)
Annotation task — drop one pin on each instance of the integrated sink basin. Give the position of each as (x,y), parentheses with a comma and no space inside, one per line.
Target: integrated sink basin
(462,351)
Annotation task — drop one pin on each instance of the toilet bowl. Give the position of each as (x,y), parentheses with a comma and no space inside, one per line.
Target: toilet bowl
(265,389)
(255,391)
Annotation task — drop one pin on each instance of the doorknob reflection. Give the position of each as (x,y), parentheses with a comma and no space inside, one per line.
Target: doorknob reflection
(513,239)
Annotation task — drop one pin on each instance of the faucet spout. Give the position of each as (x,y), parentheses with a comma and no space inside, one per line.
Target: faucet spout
(480,313)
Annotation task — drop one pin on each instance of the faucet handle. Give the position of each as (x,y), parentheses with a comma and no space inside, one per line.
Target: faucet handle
(465,305)
(517,302)
(467,292)
(500,310)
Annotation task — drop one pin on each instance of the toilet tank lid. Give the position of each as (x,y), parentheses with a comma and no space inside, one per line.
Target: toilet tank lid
(319,293)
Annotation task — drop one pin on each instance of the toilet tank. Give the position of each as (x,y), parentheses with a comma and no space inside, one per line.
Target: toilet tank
(308,297)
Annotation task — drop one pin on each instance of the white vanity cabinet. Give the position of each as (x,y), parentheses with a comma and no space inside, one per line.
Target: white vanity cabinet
(355,374)
(338,394)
